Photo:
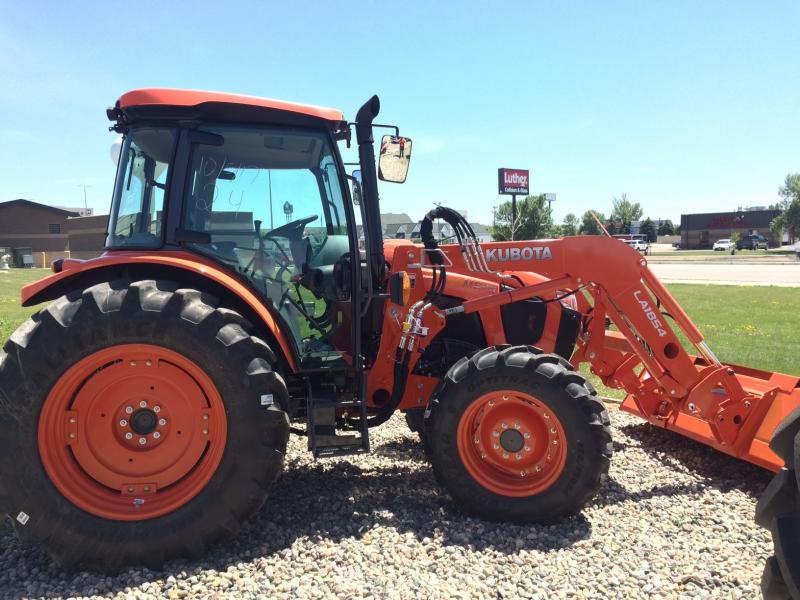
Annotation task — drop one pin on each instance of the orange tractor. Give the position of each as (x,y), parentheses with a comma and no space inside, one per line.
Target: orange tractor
(145,412)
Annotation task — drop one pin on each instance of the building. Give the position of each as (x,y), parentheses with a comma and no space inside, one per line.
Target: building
(700,231)
(24,223)
(86,236)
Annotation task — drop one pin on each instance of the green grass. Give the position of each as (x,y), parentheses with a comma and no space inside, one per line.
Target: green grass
(747,325)
(11,313)
(753,326)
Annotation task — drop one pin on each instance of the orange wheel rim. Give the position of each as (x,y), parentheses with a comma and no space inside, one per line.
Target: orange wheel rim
(511,443)
(132,432)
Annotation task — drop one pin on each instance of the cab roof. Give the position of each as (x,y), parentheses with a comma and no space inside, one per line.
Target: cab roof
(167,103)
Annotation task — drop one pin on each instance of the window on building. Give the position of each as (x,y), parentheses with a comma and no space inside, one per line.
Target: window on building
(54,228)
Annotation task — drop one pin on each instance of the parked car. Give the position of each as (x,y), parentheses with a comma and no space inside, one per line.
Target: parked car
(725,244)
(677,245)
(639,245)
(752,242)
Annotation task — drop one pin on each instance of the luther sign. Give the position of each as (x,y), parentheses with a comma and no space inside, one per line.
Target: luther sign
(512,181)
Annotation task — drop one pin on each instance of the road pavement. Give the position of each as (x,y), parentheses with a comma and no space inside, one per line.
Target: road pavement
(783,275)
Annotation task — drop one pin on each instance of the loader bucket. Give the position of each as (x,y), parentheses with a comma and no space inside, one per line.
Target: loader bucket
(743,431)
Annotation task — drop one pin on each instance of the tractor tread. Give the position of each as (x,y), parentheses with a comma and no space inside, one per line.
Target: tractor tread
(778,510)
(145,311)
(549,369)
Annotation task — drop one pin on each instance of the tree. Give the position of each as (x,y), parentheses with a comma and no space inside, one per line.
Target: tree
(588,225)
(789,220)
(534,220)
(570,225)
(625,212)
(648,228)
(666,228)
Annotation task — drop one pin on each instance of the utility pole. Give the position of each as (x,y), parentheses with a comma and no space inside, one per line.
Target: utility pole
(85,204)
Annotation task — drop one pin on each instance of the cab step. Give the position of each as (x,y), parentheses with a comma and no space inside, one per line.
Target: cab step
(324,440)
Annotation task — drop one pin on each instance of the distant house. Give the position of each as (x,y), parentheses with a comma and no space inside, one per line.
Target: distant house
(24,223)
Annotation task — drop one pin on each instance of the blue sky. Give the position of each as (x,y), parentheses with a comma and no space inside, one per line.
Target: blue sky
(685,106)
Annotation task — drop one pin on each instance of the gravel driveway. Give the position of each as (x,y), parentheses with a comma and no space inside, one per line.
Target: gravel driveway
(675,520)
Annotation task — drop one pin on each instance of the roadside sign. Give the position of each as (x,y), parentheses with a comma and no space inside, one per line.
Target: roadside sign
(512,181)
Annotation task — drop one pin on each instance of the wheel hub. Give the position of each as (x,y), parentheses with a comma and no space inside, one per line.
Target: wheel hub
(512,443)
(144,421)
(511,440)
(132,432)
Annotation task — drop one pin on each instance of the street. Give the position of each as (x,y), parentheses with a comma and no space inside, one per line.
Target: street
(784,275)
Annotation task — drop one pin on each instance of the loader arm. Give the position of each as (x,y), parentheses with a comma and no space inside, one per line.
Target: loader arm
(679,386)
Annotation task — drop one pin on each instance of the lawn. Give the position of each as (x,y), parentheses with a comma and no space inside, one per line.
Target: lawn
(746,325)
(11,313)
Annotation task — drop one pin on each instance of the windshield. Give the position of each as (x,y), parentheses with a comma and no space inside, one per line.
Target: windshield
(137,206)
(272,202)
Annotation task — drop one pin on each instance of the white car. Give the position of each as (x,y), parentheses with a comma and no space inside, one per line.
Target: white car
(639,245)
(723,245)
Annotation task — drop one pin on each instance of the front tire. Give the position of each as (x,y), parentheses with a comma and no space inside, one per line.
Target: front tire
(516,435)
(138,423)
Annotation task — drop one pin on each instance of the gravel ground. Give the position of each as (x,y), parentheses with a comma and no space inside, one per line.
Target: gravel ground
(675,520)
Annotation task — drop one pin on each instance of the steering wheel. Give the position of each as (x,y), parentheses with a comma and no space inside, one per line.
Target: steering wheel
(293,230)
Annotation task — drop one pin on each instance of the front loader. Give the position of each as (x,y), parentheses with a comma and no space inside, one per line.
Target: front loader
(145,412)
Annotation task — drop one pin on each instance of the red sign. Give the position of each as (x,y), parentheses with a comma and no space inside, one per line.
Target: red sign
(512,181)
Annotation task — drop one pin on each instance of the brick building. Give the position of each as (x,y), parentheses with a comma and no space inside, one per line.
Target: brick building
(702,230)
(26,223)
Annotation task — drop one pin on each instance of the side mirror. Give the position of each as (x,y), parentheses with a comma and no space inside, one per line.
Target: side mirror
(356,189)
(395,155)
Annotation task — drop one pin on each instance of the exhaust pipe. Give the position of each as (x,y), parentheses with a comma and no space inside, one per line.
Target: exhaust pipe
(369,181)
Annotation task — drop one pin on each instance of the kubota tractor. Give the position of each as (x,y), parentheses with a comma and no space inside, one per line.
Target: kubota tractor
(145,412)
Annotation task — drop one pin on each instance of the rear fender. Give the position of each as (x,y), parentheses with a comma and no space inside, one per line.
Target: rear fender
(177,265)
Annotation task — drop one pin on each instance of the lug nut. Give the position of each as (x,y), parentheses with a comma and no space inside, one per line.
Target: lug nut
(522,473)
(516,425)
(527,435)
(505,455)
(527,448)
(133,363)
(129,436)
(162,422)
(538,468)
(142,441)
(552,430)
(496,433)
(143,404)
(156,435)
(546,416)
(519,456)
(477,441)
(205,417)
(130,489)
(71,435)
(129,409)
(146,488)
(483,454)
(205,431)
(555,442)
(148,363)
(123,423)
(74,420)
(156,409)
(505,425)
(497,446)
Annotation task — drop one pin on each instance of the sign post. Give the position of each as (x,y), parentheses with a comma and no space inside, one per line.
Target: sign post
(512,182)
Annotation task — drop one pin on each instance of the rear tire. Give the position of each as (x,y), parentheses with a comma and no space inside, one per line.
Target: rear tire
(778,510)
(517,435)
(44,389)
